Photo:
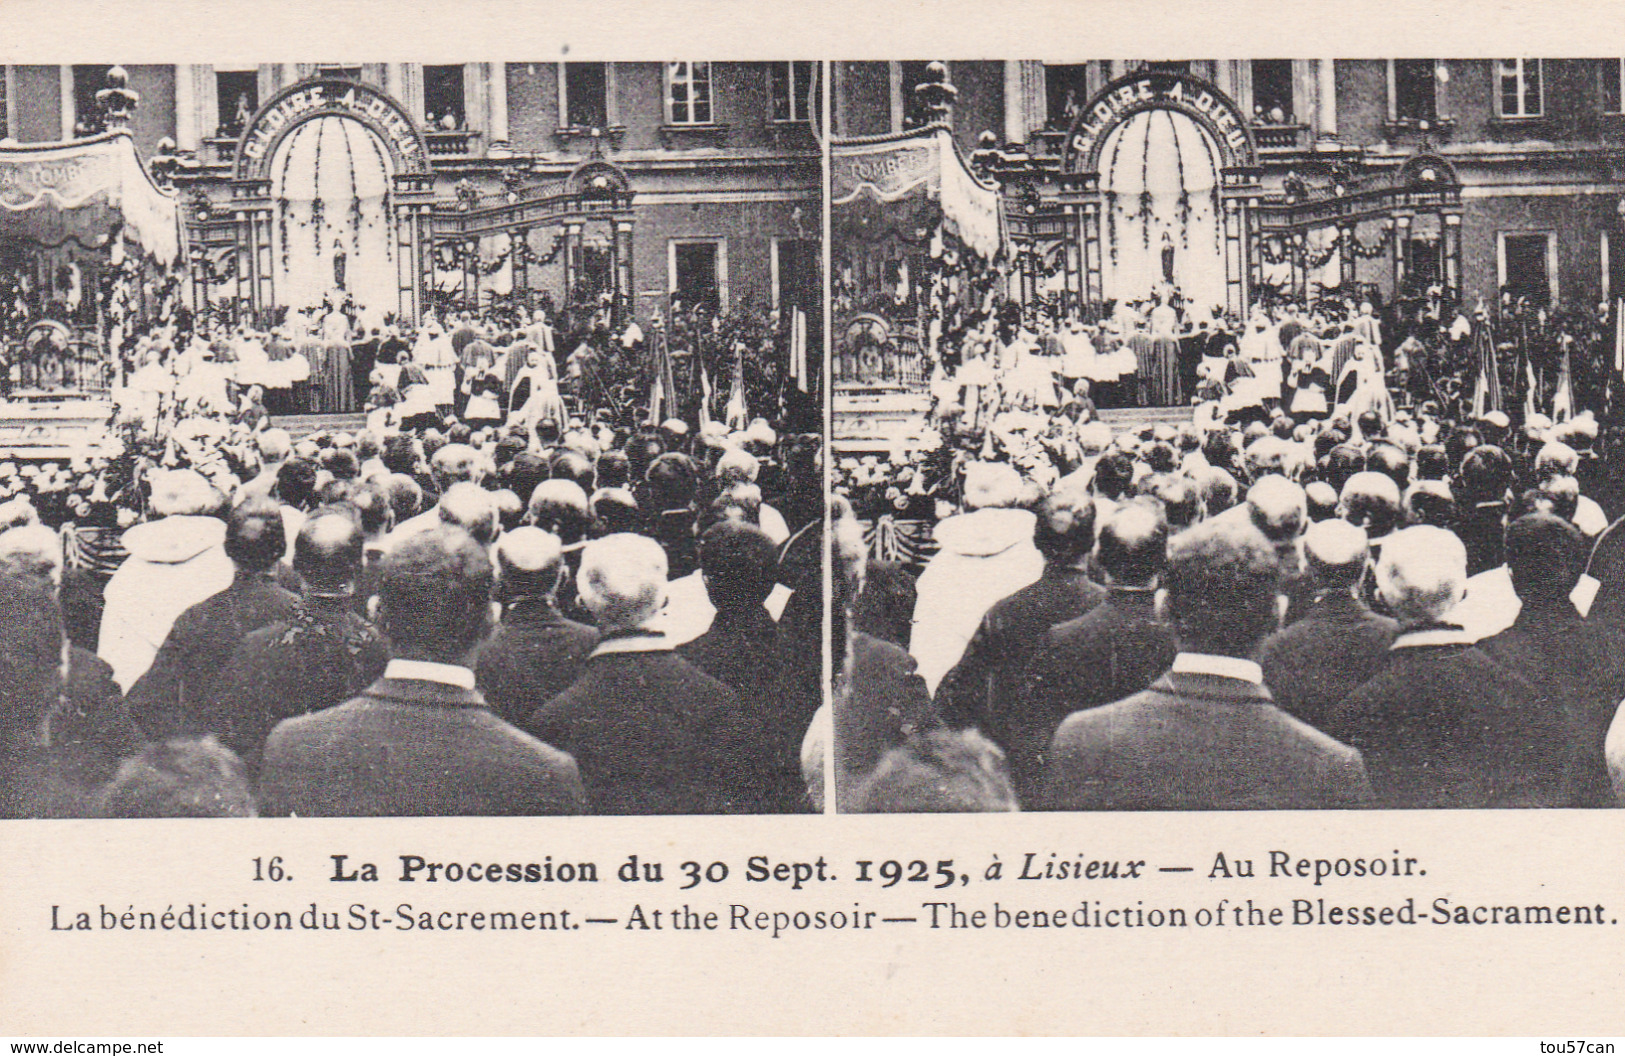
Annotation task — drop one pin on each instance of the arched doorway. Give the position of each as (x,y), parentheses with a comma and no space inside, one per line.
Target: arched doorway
(331,227)
(1160,179)
(1163,173)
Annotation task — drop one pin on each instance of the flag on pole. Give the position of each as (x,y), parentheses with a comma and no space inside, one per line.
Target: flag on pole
(1531,387)
(1487,386)
(798,348)
(1563,397)
(735,414)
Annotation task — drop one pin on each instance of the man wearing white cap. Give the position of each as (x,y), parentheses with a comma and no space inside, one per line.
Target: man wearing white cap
(986,554)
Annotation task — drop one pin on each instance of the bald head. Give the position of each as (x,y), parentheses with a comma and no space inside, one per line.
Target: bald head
(471,508)
(1422,574)
(1278,508)
(1336,553)
(274,446)
(622,581)
(35,549)
(456,463)
(529,564)
(1371,500)
(327,553)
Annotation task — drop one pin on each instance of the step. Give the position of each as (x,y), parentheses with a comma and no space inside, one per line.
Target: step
(1129,419)
(300,426)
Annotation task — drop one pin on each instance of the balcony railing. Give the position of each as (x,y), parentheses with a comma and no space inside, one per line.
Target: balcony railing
(1272,138)
(456,143)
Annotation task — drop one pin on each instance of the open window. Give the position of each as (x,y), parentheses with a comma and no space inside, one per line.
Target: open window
(1272,91)
(698,276)
(444,108)
(237,96)
(1416,95)
(88,118)
(586,95)
(1066,91)
(1527,266)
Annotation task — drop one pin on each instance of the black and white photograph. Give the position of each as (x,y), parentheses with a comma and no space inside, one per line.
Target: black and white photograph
(1227,434)
(400,439)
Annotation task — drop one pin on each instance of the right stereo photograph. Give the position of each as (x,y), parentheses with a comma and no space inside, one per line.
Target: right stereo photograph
(1227,434)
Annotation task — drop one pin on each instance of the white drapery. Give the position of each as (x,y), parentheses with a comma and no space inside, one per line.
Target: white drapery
(330,181)
(1160,174)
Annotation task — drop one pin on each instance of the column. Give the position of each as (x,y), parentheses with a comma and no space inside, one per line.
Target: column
(186,115)
(497,101)
(1402,250)
(65,82)
(1451,238)
(1327,97)
(1345,249)
(625,296)
(471,280)
(1015,130)
(520,243)
(572,243)
(1074,254)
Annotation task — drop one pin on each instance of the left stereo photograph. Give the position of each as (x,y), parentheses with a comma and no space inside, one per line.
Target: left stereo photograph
(391,439)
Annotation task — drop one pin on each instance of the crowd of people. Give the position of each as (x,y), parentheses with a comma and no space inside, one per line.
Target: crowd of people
(508,593)
(1338,584)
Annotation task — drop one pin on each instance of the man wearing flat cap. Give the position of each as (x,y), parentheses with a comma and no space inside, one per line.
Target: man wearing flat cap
(536,652)
(1311,665)
(420,741)
(1206,736)
(320,655)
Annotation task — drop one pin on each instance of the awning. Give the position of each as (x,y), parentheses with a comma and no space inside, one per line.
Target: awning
(83,191)
(915,165)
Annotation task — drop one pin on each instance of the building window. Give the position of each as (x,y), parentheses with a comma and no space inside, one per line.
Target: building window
(1180,66)
(1415,90)
(237,95)
(1272,91)
(1066,93)
(794,85)
(913,75)
(688,93)
(699,274)
(1611,85)
(795,274)
(343,71)
(1520,94)
(443,107)
(88,118)
(5,102)
(586,95)
(1527,267)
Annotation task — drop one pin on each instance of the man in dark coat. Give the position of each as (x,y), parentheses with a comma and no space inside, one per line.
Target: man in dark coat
(1311,665)
(741,650)
(1206,735)
(1441,724)
(653,733)
(1571,662)
(321,655)
(1113,651)
(173,697)
(983,686)
(536,653)
(420,741)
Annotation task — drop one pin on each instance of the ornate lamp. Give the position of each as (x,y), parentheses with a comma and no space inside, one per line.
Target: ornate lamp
(118,101)
(936,95)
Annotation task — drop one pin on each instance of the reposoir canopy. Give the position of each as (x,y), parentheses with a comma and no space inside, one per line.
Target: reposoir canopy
(84,191)
(919,164)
